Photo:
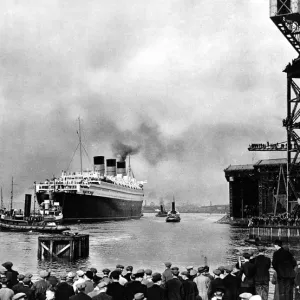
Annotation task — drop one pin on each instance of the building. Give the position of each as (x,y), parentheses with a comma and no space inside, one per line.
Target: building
(255,190)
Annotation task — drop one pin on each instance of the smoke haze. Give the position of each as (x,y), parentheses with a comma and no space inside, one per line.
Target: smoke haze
(187,84)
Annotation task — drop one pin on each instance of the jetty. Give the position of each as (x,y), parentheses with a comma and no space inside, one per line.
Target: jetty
(71,246)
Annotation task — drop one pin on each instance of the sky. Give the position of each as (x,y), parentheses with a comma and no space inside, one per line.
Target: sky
(190,84)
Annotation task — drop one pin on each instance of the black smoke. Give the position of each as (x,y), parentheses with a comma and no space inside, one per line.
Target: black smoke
(121,150)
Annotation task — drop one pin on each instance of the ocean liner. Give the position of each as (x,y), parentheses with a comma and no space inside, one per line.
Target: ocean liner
(104,194)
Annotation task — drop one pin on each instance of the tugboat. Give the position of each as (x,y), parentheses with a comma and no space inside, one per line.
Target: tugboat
(46,221)
(162,212)
(173,215)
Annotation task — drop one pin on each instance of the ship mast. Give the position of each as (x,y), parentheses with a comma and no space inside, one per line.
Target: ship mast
(12,193)
(2,205)
(80,145)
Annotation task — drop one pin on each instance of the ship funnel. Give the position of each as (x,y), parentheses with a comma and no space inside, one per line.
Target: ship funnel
(173,206)
(121,167)
(111,167)
(99,165)
(27,206)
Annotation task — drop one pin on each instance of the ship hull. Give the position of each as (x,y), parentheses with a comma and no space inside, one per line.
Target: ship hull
(90,208)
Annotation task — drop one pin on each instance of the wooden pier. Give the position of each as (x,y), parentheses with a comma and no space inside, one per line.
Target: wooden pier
(271,233)
(63,246)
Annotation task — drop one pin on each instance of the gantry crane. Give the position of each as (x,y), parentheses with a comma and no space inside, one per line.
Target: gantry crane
(286,16)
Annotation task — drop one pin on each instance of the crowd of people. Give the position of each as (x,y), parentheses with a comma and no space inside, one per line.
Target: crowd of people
(247,279)
(285,219)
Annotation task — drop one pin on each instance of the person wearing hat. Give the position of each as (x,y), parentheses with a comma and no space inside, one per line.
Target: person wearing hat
(231,283)
(174,287)
(115,289)
(247,273)
(122,280)
(167,274)
(70,278)
(16,287)
(102,295)
(202,283)
(156,291)
(193,274)
(105,276)
(207,274)
(284,263)
(147,280)
(29,275)
(25,288)
(5,292)
(81,295)
(218,295)
(215,284)
(136,286)
(128,274)
(88,276)
(245,296)
(189,287)
(40,287)
(80,279)
(222,275)
(11,275)
(19,296)
(63,289)
(262,275)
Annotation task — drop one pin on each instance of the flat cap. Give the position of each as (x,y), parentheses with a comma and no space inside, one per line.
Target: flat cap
(26,280)
(94,270)
(189,268)
(119,266)
(44,274)
(245,295)
(186,273)
(89,274)
(28,275)
(221,268)
(115,274)
(71,275)
(156,277)
(129,268)
(255,297)
(228,268)
(19,296)
(81,285)
(148,272)
(218,295)
(246,255)
(168,264)
(217,272)
(106,271)
(7,264)
(139,296)
(193,272)
(53,280)
(201,269)
(80,273)
(175,268)
(175,272)
(102,284)
(21,276)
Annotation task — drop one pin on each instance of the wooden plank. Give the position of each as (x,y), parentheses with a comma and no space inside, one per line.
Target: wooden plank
(63,250)
(45,247)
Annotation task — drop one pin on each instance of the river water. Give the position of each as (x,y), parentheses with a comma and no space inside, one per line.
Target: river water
(144,243)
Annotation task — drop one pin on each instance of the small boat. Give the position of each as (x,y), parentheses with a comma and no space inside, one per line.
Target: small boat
(46,221)
(173,215)
(162,212)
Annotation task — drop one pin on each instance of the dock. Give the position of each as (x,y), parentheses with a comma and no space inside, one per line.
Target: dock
(71,246)
(271,233)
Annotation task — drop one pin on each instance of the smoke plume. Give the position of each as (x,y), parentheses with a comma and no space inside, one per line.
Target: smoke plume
(121,150)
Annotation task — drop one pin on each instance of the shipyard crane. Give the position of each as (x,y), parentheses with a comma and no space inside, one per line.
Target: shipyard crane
(286,16)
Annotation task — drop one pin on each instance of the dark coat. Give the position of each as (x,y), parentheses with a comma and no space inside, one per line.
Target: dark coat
(80,296)
(232,285)
(262,264)
(190,290)
(249,270)
(63,291)
(16,288)
(102,296)
(12,278)
(214,284)
(284,264)
(116,291)
(174,289)
(127,276)
(134,287)
(155,292)
(27,290)
(40,288)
